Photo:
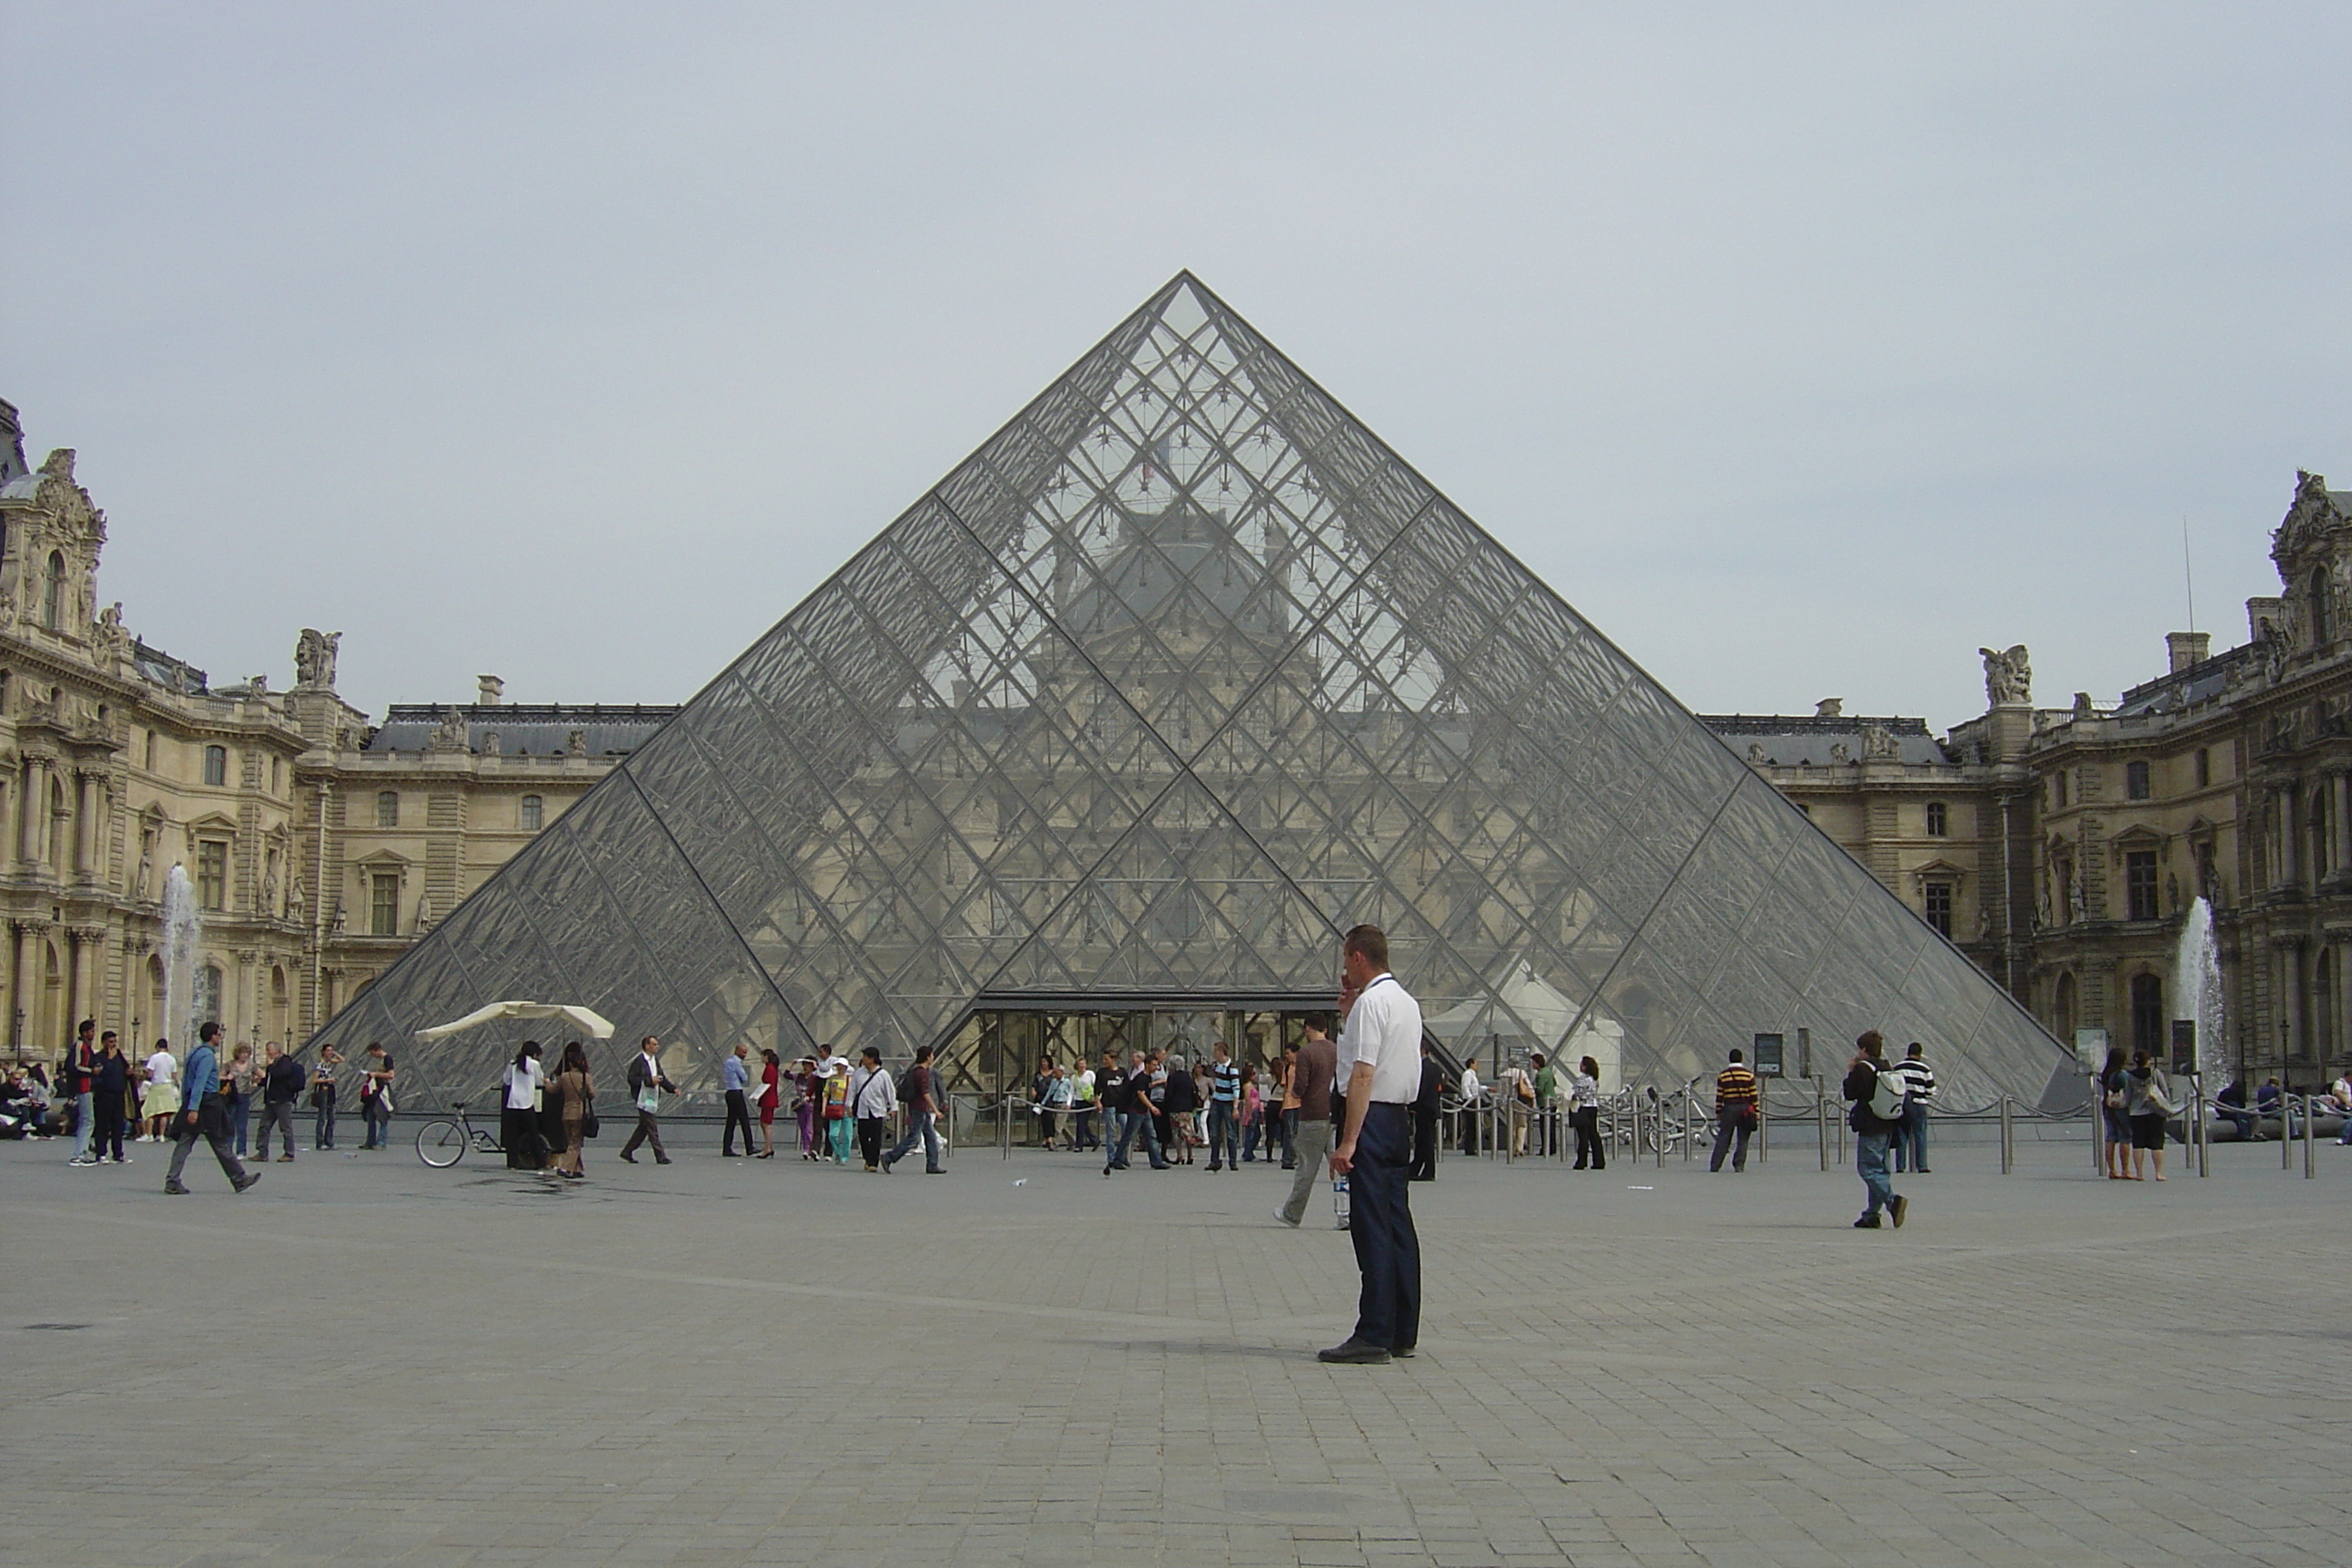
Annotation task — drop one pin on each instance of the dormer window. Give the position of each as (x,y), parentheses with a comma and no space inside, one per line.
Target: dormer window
(53,596)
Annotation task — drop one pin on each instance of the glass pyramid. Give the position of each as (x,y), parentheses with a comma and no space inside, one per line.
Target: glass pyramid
(1180,675)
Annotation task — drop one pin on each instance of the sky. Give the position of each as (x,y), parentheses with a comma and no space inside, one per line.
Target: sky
(1804,349)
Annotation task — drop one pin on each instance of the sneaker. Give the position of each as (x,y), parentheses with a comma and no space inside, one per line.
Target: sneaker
(250,1177)
(1899,1207)
(123,1159)
(285,1159)
(1867,1222)
(81,1159)
(1286,1219)
(885,1166)
(1404,1352)
(176,1190)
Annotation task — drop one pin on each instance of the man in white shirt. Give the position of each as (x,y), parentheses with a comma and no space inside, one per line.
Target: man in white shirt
(871,1100)
(647,1084)
(1471,1091)
(1380,1066)
(735,1078)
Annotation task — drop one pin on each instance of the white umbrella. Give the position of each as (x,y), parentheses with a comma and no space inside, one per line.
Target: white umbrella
(588,1022)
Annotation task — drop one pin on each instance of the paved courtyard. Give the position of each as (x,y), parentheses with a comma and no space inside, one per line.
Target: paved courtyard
(367,1362)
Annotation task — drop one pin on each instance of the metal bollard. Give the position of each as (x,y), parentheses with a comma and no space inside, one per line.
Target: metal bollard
(1763,1130)
(2310,1140)
(2204,1129)
(1822,1115)
(2008,1138)
(2286,1131)
(1690,1125)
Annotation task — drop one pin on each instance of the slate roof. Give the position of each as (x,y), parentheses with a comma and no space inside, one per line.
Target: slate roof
(525,729)
(1796,740)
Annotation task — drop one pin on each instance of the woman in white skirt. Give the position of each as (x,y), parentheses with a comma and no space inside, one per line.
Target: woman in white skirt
(160,1096)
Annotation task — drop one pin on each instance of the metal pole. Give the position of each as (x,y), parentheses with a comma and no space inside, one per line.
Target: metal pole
(2098,1126)
(1690,1122)
(2310,1140)
(2204,1131)
(1822,1115)
(1659,1128)
(2008,1140)
(1763,1129)
(2286,1131)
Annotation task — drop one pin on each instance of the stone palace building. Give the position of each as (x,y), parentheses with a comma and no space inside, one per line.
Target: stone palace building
(2060,847)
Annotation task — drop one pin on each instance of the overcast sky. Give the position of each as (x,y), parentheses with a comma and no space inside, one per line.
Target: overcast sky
(1802,349)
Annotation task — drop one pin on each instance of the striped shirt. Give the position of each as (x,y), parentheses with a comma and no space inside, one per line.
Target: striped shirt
(1735,1089)
(1225,1082)
(1920,1077)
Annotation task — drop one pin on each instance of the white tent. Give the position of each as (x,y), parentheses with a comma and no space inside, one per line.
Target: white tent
(591,1024)
(1524,1012)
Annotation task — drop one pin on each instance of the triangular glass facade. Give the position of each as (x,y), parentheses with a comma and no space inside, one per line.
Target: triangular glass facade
(1180,675)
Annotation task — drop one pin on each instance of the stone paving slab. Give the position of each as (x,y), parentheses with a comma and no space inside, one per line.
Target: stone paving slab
(365,1362)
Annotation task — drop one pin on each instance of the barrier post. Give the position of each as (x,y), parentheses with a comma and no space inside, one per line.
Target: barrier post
(1690,1122)
(1659,1129)
(1763,1129)
(2203,1132)
(2310,1140)
(2286,1131)
(1821,1116)
(2008,1140)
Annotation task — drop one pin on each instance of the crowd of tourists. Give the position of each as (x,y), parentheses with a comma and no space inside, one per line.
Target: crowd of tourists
(106,1099)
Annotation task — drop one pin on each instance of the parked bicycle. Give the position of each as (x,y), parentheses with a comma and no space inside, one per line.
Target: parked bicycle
(443,1141)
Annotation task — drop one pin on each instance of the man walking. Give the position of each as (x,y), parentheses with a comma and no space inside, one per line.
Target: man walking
(1736,1100)
(1472,1090)
(919,1092)
(1317,1064)
(870,1102)
(1874,1129)
(281,1086)
(736,1071)
(81,1060)
(1134,1116)
(1224,1110)
(1911,1136)
(1426,1106)
(204,1113)
(647,1084)
(1379,1062)
(109,1087)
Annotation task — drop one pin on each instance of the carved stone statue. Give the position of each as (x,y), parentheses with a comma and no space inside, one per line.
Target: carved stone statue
(2008,676)
(450,734)
(107,633)
(492,745)
(314,659)
(1830,708)
(335,926)
(1878,744)
(1754,753)
(1841,754)
(2083,707)
(576,743)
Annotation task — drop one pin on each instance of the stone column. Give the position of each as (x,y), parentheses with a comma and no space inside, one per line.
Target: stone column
(83,1003)
(2291,981)
(32,805)
(2289,857)
(2343,792)
(85,862)
(28,983)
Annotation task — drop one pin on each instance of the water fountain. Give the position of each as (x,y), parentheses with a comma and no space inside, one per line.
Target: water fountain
(181,925)
(2197,992)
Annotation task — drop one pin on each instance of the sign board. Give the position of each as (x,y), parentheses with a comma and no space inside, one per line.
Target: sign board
(2091,1049)
(2184,1046)
(1768,1062)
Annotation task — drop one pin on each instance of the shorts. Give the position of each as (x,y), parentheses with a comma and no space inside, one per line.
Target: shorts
(2148,1131)
(2118,1125)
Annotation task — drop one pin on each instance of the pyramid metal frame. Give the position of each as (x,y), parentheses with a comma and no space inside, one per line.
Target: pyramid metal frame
(1175,677)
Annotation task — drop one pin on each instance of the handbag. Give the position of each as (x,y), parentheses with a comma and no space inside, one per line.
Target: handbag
(589,1122)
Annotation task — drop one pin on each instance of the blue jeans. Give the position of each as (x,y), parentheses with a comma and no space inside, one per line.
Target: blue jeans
(85,1123)
(1131,1122)
(1249,1138)
(240,1119)
(1379,1223)
(1870,1163)
(322,1131)
(379,1123)
(1225,1133)
(1732,1138)
(919,1125)
(1289,1125)
(1911,1139)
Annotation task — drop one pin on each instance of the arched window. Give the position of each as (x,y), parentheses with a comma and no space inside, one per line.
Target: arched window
(53,596)
(533,813)
(215,764)
(387,808)
(1938,819)
(2322,626)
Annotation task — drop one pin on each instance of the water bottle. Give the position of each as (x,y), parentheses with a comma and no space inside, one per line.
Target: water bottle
(1340,1201)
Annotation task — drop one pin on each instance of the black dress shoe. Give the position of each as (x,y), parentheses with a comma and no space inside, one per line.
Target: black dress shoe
(661,1159)
(632,1159)
(1404,1352)
(1356,1353)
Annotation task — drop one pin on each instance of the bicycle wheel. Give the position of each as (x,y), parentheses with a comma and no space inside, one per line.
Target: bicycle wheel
(440,1144)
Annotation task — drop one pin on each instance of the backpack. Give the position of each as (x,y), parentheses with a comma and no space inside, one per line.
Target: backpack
(906,1087)
(1892,1094)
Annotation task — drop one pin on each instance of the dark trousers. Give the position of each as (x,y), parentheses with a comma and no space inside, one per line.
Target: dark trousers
(1730,1136)
(322,1127)
(106,1111)
(1287,1125)
(1224,1134)
(1589,1152)
(919,1125)
(278,1113)
(738,1114)
(648,1132)
(213,1130)
(1130,1124)
(871,1130)
(1425,1144)
(1082,1132)
(1911,1139)
(1380,1222)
